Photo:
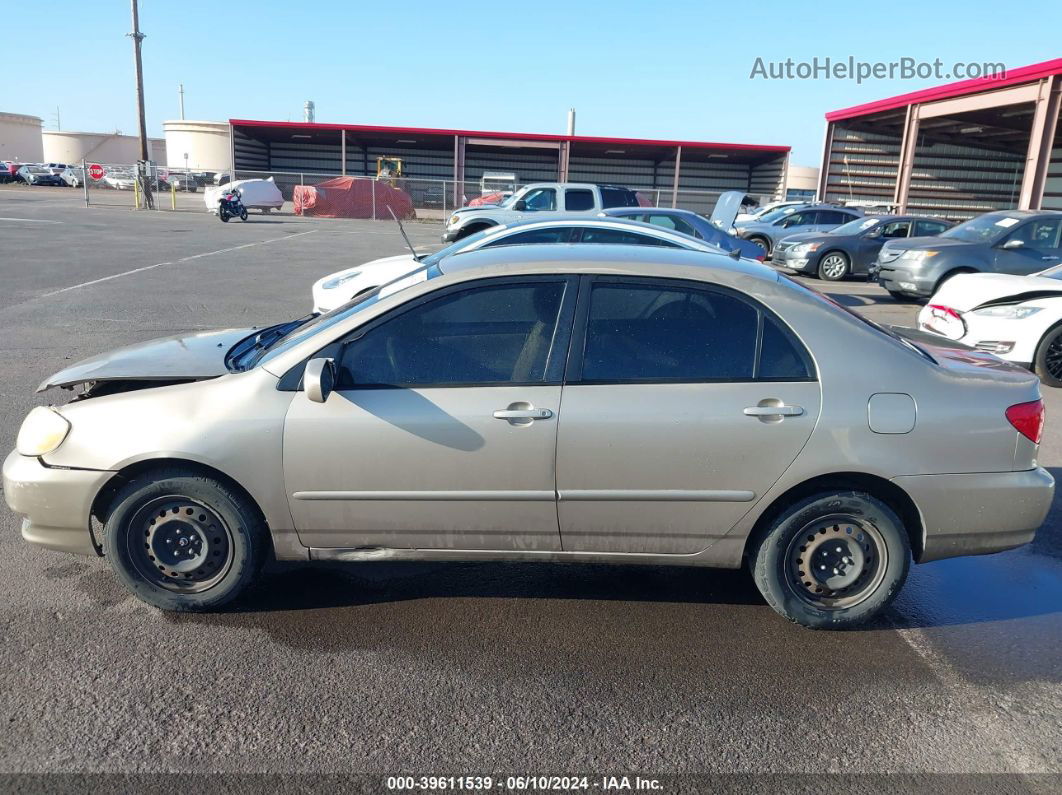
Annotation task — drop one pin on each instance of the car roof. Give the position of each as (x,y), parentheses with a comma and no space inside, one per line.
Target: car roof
(651,210)
(609,222)
(604,258)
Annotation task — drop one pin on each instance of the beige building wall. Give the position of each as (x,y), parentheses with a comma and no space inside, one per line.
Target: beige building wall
(20,138)
(802,178)
(65,146)
(206,144)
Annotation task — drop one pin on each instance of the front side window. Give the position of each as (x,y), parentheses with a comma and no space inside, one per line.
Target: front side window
(1039,234)
(797,219)
(578,199)
(541,199)
(499,334)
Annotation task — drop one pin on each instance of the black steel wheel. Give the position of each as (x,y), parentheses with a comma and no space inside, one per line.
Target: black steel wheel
(834,266)
(832,561)
(182,541)
(1048,362)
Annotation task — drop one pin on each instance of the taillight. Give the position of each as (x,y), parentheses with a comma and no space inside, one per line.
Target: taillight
(761,258)
(1028,418)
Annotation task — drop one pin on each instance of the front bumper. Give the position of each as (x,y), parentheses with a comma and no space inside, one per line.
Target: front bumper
(450,235)
(979,513)
(899,279)
(56,503)
(785,258)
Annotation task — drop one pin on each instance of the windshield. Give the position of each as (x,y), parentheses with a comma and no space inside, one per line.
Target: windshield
(982,229)
(856,226)
(774,215)
(359,302)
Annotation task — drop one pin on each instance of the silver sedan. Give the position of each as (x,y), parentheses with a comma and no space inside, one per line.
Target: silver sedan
(621,404)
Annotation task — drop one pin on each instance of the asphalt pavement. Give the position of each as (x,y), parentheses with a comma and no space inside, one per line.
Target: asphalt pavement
(486,668)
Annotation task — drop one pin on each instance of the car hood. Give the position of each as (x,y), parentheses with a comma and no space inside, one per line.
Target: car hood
(972,290)
(726,208)
(802,237)
(358,269)
(189,357)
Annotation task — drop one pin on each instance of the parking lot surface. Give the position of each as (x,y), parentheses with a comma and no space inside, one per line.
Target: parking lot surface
(485,668)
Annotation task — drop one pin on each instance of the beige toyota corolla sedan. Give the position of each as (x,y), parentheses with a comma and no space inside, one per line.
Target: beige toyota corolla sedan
(557,403)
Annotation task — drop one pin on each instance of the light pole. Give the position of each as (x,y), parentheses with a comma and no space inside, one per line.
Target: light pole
(138,37)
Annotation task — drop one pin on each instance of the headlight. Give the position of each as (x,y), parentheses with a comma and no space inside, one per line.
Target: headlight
(453,220)
(739,230)
(1011,312)
(912,255)
(805,248)
(332,284)
(43,430)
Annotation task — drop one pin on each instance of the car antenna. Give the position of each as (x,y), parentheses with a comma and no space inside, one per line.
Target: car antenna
(405,237)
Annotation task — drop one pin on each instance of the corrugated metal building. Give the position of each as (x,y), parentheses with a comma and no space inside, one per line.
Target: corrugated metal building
(956,150)
(678,171)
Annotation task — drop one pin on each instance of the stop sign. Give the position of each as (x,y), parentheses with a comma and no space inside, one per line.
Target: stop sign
(96,171)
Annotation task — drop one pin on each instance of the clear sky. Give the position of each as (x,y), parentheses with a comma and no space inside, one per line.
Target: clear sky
(637,69)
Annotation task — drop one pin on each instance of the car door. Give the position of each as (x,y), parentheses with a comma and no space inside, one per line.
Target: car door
(683,404)
(441,432)
(540,200)
(1039,247)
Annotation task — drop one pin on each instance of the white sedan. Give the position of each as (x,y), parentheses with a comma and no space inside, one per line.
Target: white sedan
(338,288)
(1018,318)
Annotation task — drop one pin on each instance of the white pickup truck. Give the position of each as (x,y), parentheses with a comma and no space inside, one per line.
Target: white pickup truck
(552,197)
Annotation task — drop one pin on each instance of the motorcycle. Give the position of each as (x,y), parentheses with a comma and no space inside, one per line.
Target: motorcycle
(230,206)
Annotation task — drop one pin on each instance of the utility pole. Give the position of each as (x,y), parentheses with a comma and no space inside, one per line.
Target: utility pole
(180,95)
(138,37)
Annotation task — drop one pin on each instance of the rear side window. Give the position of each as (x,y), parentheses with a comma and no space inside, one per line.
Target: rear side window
(657,333)
(617,197)
(832,217)
(547,235)
(780,358)
(647,333)
(578,199)
(669,222)
(615,236)
(929,228)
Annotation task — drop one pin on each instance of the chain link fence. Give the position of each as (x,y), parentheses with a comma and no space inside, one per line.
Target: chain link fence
(150,187)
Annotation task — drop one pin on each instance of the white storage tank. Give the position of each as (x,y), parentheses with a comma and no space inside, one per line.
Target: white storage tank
(68,146)
(206,144)
(20,138)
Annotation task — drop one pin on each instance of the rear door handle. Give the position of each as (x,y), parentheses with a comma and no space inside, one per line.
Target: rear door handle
(774,411)
(523,414)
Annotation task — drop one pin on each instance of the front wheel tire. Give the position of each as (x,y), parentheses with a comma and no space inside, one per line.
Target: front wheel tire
(833,561)
(1048,361)
(834,266)
(182,541)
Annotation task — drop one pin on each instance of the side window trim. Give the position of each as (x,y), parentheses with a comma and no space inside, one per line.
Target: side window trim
(573,372)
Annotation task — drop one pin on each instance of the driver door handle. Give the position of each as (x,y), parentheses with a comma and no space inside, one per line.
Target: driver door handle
(523,414)
(774,411)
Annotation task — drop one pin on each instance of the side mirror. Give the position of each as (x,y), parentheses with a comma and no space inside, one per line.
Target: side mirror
(319,379)
(1010,245)
(520,205)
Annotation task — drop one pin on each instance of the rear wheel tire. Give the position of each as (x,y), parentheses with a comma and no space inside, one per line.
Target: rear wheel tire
(183,541)
(832,561)
(834,266)
(1048,360)
(224,216)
